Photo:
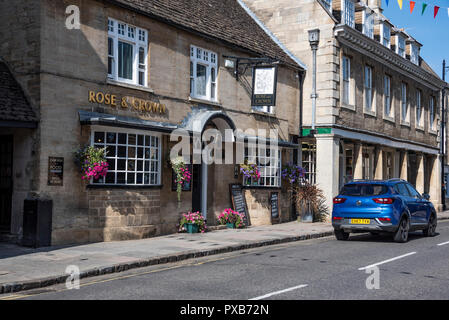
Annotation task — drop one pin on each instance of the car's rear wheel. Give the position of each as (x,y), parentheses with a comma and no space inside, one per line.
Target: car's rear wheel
(341,235)
(429,231)
(401,235)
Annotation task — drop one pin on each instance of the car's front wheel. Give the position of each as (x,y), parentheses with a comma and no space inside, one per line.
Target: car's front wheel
(429,231)
(401,235)
(341,235)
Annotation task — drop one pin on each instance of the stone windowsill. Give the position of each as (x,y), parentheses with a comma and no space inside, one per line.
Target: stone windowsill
(129,86)
(128,187)
(348,106)
(370,113)
(265,114)
(419,128)
(389,119)
(209,102)
(434,132)
(405,123)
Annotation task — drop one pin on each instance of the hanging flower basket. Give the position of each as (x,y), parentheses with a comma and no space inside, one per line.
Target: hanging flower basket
(92,162)
(251,172)
(182,174)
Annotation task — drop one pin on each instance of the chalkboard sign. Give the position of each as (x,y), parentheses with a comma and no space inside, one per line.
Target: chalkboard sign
(274,201)
(55,171)
(239,201)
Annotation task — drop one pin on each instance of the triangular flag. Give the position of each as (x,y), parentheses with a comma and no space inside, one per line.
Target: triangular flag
(387,2)
(400,4)
(424,6)
(435,11)
(412,6)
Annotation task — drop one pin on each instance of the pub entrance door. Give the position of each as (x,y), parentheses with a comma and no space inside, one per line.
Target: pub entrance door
(6,185)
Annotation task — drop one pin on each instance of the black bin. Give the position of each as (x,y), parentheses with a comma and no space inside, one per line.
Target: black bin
(37,218)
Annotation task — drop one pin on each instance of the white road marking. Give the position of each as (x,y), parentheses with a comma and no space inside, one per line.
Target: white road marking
(442,244)
(279,292)
(386,261)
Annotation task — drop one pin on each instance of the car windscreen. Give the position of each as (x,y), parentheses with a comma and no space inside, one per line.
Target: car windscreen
(364,190)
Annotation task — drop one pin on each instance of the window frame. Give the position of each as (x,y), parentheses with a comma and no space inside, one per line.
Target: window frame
(134,39)
(405,118)
(211,62)
(128,132)
(367,89)
(384,39)
(387,105)
(346,87)
(400,50)
(414,54)
(368,24)
(263,168)
(348,13)
(432,113)
(419,109)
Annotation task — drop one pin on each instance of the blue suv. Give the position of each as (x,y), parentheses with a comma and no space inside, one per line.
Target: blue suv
(382,206)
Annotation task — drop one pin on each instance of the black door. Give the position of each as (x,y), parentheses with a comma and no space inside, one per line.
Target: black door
(5,182)
(196,188)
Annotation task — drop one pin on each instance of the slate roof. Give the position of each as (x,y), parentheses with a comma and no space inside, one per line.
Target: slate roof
(13,103)
(224,20)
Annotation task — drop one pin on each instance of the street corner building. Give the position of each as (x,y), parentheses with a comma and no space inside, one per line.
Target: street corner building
(378,103)
(124,79)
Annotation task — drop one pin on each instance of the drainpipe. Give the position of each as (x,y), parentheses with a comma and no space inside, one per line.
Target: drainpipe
(443,147)
(314,39)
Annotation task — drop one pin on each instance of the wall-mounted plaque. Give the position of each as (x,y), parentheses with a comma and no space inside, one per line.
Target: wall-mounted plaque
(55,171)
(239,201)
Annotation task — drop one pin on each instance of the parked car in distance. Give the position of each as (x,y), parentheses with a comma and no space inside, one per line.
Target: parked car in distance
(382,206)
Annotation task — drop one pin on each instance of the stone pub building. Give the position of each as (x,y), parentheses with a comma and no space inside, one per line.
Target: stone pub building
(134,71)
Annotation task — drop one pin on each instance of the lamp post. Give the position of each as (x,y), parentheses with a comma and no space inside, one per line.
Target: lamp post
(314,40)
(443,147)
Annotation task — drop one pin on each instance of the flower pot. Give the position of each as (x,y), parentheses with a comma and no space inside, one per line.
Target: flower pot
(230,225)
(306,214)
(192,228)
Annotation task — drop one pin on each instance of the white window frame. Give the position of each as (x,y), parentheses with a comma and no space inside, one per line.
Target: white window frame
(308,161)
(267,172)
(400,50)
(208,59)
(368,89)
(348,13)
(414,54)
(419,110)
(346,78)
(157,174)
(432,113)
(387,96)
(368,24)
(405,116)
(386,40)
(137,38)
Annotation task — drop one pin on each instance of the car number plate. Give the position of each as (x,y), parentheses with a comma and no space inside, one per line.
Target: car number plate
(360,221)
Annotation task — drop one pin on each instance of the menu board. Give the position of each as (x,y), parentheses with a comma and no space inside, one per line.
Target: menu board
(55,171)
(274,201)
(239,201)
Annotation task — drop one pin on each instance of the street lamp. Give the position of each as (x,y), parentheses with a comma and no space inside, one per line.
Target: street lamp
(314,40)
(443,147)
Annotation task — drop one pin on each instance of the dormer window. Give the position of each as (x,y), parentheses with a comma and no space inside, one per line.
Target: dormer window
(386,35)
(400,47)
(414,54)
(348,13)
(368,24)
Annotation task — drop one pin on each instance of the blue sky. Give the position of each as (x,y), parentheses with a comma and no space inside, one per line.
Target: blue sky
(432,33)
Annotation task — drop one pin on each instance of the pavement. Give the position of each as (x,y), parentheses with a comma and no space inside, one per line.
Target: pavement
(26,268)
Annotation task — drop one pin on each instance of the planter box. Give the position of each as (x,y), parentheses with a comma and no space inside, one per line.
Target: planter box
(230,225)
(192,228)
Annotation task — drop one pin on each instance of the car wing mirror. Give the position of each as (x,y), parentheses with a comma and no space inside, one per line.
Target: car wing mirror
(426,196)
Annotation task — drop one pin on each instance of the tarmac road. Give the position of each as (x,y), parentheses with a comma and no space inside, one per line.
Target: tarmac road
(314,269)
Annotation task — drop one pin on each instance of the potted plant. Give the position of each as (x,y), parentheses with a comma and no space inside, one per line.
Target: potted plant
(293,173)
(192,222)
(182,175)
(92,162)
(232,219)
(310,203)
(251,172)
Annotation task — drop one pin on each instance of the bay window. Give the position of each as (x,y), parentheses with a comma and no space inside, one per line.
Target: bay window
(368,24)
(127,53)
(134,158)
(203,74)
(348,13)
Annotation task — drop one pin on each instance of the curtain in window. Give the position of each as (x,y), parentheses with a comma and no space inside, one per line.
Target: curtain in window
(200,80)
(125,60)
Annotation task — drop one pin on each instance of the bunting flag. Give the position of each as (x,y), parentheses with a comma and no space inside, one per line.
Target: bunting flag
(435,11)
(400,4)
(424,6)
(387,2)
(412,6)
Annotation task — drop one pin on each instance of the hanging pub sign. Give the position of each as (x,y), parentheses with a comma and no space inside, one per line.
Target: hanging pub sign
(264,86)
